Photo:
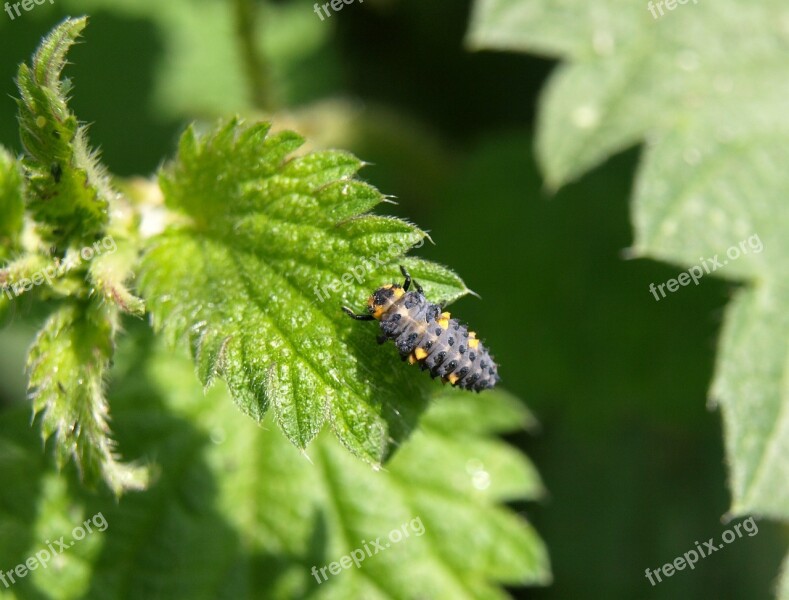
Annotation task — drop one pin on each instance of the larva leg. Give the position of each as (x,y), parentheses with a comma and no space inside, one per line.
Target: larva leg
(407,283)
(353,315)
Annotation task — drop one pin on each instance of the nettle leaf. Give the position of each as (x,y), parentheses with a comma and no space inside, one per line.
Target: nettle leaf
(69,192)
(67,364)
(272,247)
(68,197)
(629,75)
(709,95)
(444,486)
(706,85)
(254,515)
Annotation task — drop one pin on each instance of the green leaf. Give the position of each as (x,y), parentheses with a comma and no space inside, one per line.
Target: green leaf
(629,75)
(253,515)
(706,86)
(750,388)
(270,247)
(67,365)
(713,179)
(69,190)
(446,483)
(66,191)
(730,205)
(68,197)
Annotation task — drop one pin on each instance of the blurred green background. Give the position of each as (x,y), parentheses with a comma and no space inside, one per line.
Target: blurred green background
(629,451)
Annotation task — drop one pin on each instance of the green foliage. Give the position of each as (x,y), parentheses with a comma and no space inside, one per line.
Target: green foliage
(710,99)
(226,484)
(247,275)
(68,198)
(628,75)
(67,365)
(259,247)
(69,192)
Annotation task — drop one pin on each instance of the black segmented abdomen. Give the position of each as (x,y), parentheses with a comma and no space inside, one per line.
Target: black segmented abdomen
(442,345)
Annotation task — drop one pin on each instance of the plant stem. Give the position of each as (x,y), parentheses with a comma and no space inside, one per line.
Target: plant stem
(255,64)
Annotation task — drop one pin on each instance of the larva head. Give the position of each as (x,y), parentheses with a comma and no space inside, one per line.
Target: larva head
(382,299)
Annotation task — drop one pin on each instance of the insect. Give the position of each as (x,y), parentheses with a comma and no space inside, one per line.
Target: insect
(425,334)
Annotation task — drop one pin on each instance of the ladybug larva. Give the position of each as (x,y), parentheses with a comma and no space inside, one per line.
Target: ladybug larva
(424,334)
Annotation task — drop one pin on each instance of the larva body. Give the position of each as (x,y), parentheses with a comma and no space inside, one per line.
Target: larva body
(425,335)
